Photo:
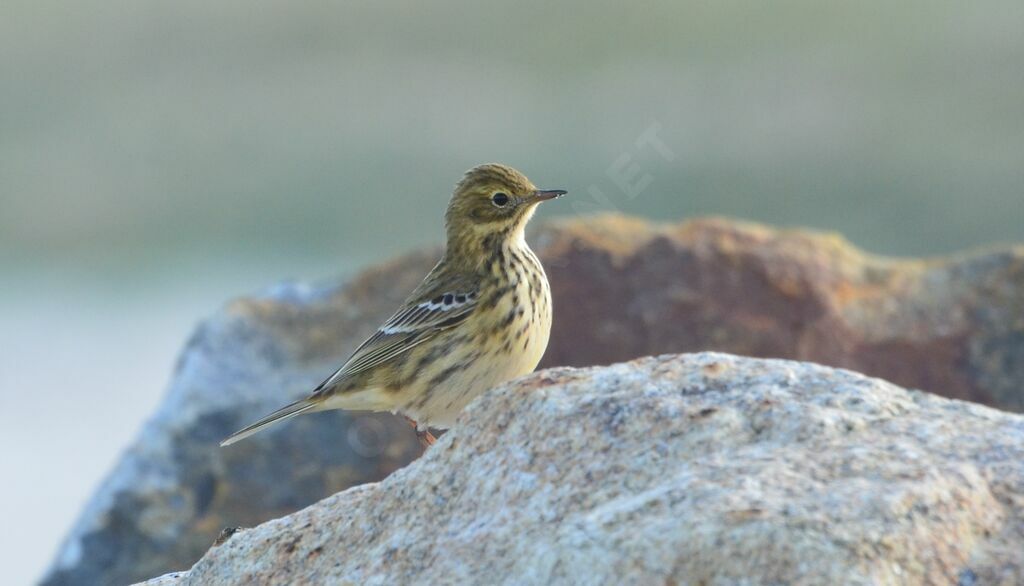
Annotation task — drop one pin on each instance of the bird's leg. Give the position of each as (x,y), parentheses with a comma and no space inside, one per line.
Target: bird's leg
(426,438)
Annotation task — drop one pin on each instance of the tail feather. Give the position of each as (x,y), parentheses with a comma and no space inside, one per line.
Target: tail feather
(281,414)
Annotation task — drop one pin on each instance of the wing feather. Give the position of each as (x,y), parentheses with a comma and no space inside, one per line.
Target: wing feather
(406,329)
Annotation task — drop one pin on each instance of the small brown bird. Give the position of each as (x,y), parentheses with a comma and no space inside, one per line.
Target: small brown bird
(480,318)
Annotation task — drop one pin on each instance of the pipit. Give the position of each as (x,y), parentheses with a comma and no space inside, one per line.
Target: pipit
(480,318)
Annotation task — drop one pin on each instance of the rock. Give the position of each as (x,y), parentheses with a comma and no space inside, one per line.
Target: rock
(175,489)
(622,288)
(625,288)
(168,579)
(696,469)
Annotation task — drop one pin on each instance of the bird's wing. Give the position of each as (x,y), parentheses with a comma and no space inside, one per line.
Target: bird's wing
(410,326)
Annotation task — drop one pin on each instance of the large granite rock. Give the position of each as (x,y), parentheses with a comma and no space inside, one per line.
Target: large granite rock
(623,288)
(695,469)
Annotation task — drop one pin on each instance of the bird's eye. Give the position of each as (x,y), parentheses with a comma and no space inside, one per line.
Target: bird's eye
(500,199)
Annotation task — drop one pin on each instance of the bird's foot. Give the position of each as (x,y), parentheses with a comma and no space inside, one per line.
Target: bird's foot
(426,438)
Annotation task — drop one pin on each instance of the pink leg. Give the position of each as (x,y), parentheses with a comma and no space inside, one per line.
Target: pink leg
(426,438)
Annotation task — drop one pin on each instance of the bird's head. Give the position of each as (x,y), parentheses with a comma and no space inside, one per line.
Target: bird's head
(492,202)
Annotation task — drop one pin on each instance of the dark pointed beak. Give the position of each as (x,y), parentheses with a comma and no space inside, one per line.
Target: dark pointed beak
(546,194)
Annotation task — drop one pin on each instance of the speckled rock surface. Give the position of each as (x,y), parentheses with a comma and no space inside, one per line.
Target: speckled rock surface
(623,288)
(694,469)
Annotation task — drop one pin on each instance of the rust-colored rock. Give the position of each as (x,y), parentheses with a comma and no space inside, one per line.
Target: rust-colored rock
(623,288)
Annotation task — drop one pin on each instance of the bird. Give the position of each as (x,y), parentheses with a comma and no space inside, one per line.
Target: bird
(481,317)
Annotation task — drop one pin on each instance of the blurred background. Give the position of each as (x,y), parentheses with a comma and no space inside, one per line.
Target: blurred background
(158,158)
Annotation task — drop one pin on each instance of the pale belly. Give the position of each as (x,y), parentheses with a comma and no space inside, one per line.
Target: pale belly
(484,364)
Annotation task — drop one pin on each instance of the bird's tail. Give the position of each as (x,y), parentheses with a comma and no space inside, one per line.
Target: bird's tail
(281,414)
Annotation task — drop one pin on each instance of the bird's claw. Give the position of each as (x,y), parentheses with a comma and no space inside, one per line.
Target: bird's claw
(426,438)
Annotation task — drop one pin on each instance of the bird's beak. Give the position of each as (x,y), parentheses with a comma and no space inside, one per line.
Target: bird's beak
(546,194)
